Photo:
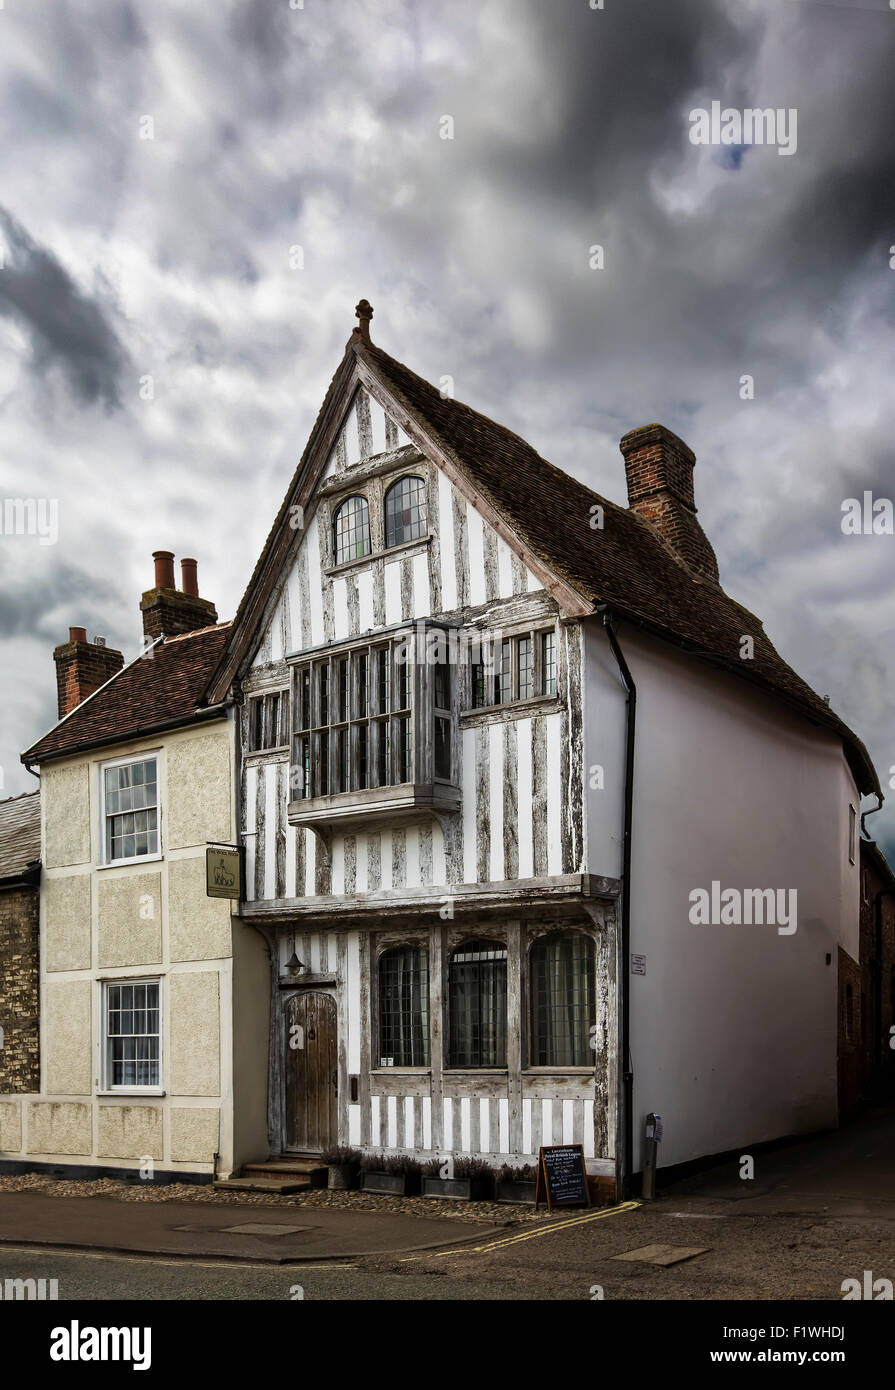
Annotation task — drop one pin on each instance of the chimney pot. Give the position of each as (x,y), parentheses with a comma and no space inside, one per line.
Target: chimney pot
(190,584)
(164,569)
(77,634)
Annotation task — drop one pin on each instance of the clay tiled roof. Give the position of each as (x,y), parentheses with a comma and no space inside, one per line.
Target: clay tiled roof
(625,565)
(165,686)
(19,834)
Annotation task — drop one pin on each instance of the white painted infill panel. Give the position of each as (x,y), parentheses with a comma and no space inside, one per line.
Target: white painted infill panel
(270,830)
(523,773)
(504,569)
(532,581)
(340,608)
(568,1123)
(484,1125)
(469,841)
(393,592)
(588,1133)
(365,599)
(352,440)
(385,860)
(446,536)
(332,463)
(412,859)
(338,870)
(554,792)
(315,961)
(439,867)
(448,1122)
(251,821)
(503,1124)
(427,1122)
(527,1146)
(276,632)
(290,887)
(353,984)
(546,1120)
(293,588)
(361,863)
(354,1124)
(408,1122)
(391,1124)
(375,1122)
(475,531)
(495,801)
(465,1123)
(422,600)
(315,587)
(311,843)
(377,423)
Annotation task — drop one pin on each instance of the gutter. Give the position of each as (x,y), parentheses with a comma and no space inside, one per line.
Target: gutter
(627,1076)
(200,716)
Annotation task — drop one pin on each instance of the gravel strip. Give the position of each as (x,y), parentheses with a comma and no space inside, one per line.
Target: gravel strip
(491,1213)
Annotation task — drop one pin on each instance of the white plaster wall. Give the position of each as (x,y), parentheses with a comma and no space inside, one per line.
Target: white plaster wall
(733,1028)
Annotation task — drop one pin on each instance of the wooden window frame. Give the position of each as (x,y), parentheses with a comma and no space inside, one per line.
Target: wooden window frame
(491,650)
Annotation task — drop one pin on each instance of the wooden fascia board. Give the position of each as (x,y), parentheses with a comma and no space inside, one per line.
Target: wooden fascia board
(286,538)
(571,603)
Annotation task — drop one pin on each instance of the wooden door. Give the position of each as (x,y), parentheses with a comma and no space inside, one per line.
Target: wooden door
(311,1071)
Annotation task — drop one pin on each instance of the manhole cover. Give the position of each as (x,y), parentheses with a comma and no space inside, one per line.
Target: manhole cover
(263,1228)
(663,1254)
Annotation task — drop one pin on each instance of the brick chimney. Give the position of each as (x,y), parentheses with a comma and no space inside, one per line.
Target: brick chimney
(81,668)
(659,470)
(167,610)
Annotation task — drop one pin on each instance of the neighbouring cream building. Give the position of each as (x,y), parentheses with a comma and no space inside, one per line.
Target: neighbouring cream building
(145,1055)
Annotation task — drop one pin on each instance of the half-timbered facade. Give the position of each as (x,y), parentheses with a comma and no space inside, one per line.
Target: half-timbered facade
(438,740)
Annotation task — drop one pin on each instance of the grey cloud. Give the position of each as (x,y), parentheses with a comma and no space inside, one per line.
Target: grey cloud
(68,329)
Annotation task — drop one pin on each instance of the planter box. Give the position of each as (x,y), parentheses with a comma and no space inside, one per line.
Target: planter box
(342,1177)
(459,1189)
(522,1191)
(402,1184)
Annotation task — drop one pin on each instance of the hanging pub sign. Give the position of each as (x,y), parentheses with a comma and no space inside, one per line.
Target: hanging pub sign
(562,1177)
(223,872)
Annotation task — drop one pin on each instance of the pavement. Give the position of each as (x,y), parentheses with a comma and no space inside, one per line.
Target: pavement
(276,1235)
(849,1172)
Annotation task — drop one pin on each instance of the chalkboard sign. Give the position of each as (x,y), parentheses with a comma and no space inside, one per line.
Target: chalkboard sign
(562,1177)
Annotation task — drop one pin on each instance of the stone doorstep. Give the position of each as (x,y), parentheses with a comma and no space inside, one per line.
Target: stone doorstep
(278,1186)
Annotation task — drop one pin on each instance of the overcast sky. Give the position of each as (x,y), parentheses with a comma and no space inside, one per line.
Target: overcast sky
(320,128)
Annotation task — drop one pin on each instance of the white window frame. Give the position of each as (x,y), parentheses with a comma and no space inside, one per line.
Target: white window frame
(106,1085)
(103,859)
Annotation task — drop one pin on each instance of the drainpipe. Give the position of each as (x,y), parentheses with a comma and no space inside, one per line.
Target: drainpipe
(623,993)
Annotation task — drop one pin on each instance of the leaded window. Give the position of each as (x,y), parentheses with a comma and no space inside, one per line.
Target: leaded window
(506,669)
(269,721)
(477,991)
(405,511)
(404,1007)
(563,1008)
(351,530)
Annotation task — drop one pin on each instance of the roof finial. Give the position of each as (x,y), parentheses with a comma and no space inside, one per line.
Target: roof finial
(364,311)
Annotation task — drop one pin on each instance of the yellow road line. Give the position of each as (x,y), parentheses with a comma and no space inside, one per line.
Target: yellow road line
(544,1230)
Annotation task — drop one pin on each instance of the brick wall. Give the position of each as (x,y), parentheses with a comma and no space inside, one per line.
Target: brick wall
(19,990)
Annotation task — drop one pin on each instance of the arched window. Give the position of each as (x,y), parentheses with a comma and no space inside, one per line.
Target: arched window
(562,1000)
(405,511)
(404,1007)
(351,530)
(477,990)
